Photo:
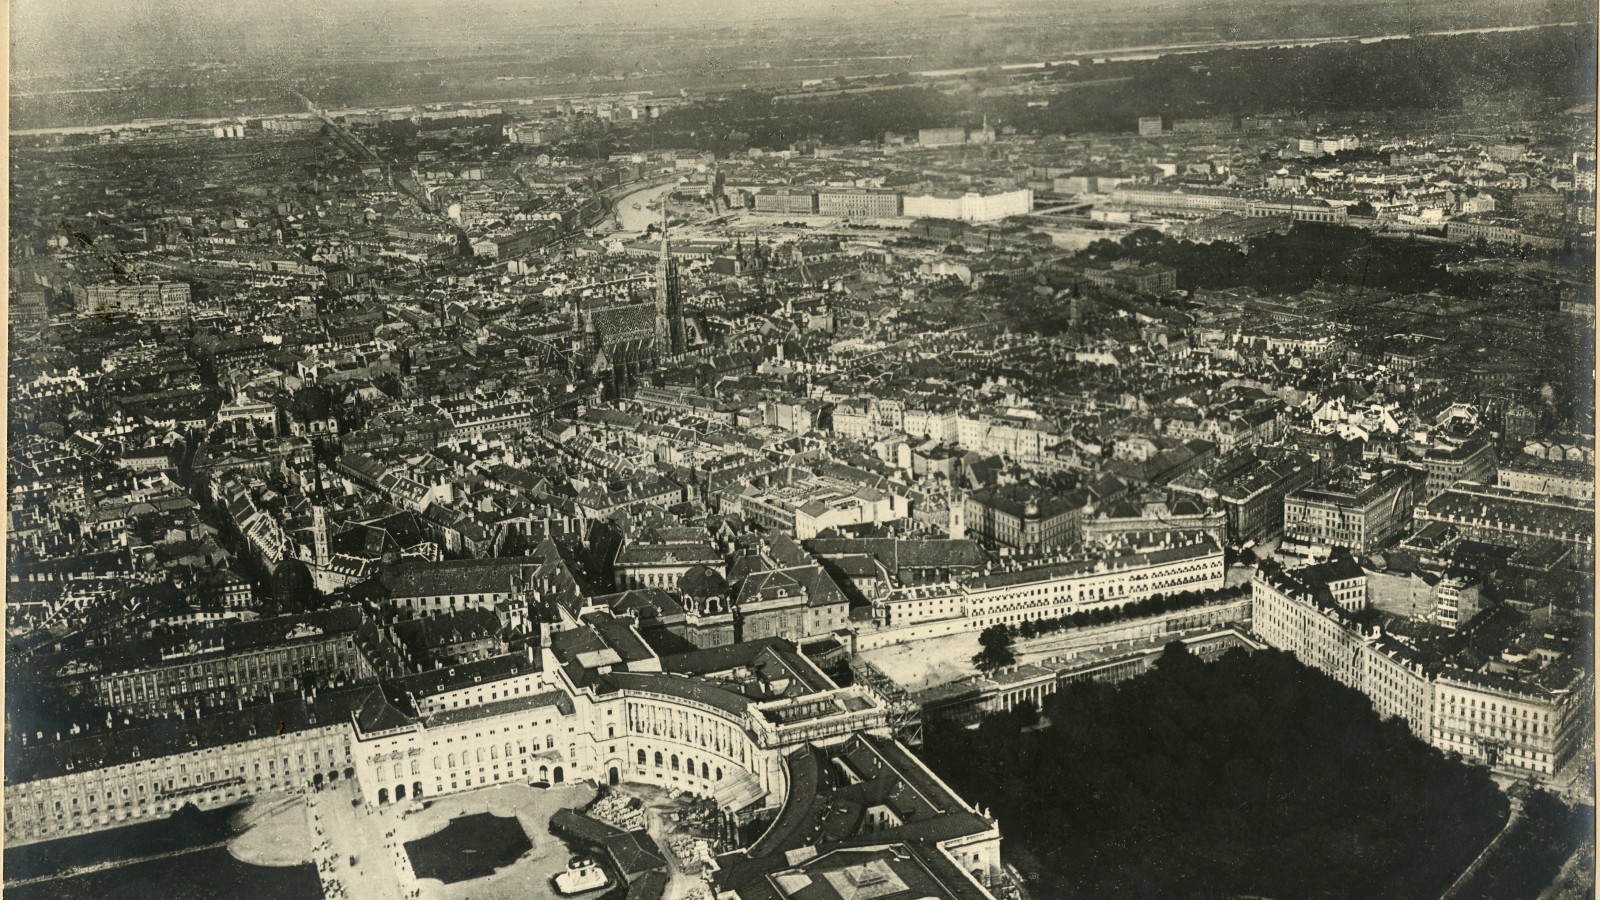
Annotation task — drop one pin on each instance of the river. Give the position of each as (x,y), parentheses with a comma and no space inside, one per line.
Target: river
(1156,51)
(1141,52)
(637,220)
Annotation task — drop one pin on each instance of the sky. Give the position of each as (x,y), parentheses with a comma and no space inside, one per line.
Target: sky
(52,35)
(42,27)
(49,35)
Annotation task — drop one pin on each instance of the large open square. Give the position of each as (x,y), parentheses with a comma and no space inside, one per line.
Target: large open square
(531,808)
(470,847)
(486,844)
(499,834)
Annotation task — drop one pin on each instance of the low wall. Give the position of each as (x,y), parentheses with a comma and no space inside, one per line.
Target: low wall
(871,638)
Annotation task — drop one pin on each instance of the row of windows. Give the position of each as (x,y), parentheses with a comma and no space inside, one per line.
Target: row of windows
(711,734)
(468,757)
(1493,706)
(463,600)
(174,791)
(1120,591)
(1173,575)
(555,776)
(668,579)
(182,776)
(438,703)
(1498,720)
(706,771)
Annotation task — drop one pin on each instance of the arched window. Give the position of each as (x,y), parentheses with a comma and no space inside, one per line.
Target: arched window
(719,774)
(480,754)
(416,767)
(658,759)
(436,762)
(494,752)
(688,765)
(674,762)
(452,758)
(641,757)
(705,771)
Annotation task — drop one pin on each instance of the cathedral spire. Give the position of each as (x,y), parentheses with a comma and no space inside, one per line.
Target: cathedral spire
(669,301)
(663,227)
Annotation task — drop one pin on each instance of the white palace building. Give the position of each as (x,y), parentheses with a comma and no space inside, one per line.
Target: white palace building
(754,725)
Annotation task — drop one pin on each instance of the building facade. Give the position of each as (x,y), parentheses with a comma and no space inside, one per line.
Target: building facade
(156,300)
(1526,727)
(1507,725)
(1295,612)
(1052,591)
(1014,516)
(1473,461)
(81,783)
(1509,518)
(1530,475)
(969,206)
(858,203)
(1360,513)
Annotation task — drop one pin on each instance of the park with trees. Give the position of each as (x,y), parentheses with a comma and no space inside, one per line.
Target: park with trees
(1249,776)
(1437,73)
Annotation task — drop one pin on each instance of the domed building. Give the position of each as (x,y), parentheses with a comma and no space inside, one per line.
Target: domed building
(702,583)
(707,607)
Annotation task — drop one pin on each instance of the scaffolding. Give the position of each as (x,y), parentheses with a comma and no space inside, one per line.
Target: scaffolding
(905,714)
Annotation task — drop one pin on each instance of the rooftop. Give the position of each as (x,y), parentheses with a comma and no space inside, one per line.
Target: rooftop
(555,699)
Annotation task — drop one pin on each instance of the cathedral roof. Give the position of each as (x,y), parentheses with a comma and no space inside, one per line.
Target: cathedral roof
(618,321)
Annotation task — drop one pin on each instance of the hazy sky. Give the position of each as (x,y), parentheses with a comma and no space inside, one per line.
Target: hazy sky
(48,35)
(53,34)
(61,23)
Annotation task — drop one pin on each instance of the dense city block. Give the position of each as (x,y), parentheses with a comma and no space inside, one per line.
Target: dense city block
(760,482)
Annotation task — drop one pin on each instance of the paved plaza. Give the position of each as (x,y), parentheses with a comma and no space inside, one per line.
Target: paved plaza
(327,829)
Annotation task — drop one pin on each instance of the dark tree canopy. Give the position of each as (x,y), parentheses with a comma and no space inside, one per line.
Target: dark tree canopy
(1427,73)
(996,641)
(1252,775)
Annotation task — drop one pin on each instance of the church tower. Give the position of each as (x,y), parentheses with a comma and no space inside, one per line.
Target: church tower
(319,535)
(669,299)
(584,337)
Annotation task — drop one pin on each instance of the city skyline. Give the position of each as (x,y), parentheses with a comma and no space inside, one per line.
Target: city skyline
(801,452)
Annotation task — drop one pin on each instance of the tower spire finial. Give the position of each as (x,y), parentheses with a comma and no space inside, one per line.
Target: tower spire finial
(669,304)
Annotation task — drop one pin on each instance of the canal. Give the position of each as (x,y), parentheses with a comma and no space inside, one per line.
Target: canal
(637,220)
